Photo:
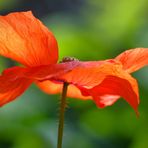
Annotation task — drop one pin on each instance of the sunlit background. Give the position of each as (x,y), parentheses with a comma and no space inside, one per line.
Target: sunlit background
(87,30)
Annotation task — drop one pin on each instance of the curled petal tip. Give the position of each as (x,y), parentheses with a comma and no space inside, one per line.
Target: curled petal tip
(133,59)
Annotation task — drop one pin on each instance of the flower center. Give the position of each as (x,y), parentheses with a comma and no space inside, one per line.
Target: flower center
(68,59)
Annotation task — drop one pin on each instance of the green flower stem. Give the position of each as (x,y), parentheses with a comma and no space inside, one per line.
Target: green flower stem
(61,117)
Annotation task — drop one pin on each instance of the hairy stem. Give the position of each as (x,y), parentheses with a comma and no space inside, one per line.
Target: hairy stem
(61,117)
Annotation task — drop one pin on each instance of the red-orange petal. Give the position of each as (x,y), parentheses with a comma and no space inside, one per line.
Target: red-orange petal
(12,84)
(88,75)
(133,59)
(25,39)
(112,87)
(47,72)
(50,87)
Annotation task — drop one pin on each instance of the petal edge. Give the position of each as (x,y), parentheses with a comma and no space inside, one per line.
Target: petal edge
(133,59)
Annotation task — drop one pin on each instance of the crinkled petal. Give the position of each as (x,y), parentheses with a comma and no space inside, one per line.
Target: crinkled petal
(90,74)
(12,84)
(50,87)
(112,88)
(90,77)
(25,39)
(87,74)
(52,71)
(133,59)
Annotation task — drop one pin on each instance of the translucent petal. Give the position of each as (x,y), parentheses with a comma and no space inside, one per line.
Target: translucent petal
(25,39)
(133,59)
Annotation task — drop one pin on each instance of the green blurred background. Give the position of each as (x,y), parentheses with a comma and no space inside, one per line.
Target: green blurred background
(88,30)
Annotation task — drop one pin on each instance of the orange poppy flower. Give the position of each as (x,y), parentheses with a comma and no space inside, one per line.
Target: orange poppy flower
(25,39)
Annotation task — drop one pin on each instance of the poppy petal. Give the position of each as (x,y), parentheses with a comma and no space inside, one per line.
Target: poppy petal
(12,85)
(112,88)
(25,39)
(107,100)
(133,59)
(50,87)
(90,76)
(47,72)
